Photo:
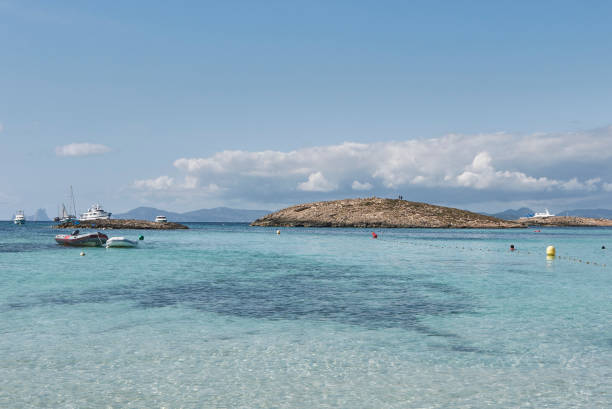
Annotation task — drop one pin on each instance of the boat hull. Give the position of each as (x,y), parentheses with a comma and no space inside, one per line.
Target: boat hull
(120,242)
(82,240)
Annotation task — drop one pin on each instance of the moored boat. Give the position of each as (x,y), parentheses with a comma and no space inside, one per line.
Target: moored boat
(120,242)
(65,216)
(80,240)
(19,218)
(161,219)
(95,212)
(546,213)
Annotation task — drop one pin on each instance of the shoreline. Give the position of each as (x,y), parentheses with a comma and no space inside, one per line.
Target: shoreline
(565,221)
(130,224)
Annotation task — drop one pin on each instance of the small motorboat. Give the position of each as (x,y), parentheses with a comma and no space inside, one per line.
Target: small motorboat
(120,242)
(82,240)
(19,218)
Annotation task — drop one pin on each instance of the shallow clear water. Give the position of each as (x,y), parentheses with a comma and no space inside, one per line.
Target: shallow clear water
(236,316)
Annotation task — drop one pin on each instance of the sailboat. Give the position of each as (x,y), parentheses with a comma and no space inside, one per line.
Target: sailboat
(68,215)
(65,216)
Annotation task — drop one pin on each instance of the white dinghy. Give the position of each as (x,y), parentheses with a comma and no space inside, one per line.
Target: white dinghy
(121,242)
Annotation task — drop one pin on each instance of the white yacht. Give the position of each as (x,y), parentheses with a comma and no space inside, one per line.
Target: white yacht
(546,213)
(161,219)
(19,218)
(95,212)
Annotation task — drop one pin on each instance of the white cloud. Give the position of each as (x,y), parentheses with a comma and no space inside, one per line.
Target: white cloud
(357,185)
(160,183)
(472,166)
(481,175)
(453,160)
(589,185)
(317,183)
(191,182)
(81,149)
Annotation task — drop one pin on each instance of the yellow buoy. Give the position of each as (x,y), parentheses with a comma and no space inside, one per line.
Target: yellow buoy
(550,251)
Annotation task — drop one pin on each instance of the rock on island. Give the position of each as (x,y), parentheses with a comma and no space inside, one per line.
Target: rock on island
(377,212)
(121,224)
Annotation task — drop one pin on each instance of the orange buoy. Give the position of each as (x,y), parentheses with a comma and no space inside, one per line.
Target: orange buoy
(374,235)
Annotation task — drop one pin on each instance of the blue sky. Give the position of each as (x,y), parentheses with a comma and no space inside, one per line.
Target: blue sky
(479,105)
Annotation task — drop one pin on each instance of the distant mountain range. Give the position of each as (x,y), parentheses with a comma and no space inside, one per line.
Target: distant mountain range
(218,214)
(226,214)
(512,214)
(595,213)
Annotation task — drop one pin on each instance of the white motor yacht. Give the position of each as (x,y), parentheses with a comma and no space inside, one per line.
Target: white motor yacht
(95,212)
(161,219)
(19,218)
(546,213)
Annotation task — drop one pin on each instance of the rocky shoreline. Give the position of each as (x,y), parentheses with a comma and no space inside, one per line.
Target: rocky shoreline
(121,224)
(565,221)
(377,212)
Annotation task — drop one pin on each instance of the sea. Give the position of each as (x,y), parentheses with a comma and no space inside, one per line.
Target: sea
(233,316)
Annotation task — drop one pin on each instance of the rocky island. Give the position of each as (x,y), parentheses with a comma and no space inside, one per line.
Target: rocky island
(378,212)
(121,224)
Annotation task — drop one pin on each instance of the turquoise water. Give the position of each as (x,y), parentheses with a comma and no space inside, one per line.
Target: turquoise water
(234,316)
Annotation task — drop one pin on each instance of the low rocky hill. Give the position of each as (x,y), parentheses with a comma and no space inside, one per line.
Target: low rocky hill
(377,212)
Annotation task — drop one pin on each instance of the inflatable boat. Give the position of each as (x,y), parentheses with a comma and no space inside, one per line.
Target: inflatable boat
(120,242)
(82,240)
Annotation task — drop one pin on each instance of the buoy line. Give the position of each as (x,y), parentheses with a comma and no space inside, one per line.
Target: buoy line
(500,251)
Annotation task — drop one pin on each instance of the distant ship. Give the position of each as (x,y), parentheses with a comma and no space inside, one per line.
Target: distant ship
(546,213)
(161,219)
(19,218)
(95,212)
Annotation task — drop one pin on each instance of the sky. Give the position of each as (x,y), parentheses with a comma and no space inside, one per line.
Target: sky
(185,105)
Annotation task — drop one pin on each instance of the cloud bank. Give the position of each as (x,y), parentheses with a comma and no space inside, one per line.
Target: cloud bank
(81,149)
(481,166)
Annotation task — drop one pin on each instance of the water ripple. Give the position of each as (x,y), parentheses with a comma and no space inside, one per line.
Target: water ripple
(347,295)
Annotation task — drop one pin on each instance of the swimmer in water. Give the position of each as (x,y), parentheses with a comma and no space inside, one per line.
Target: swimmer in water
(512,247)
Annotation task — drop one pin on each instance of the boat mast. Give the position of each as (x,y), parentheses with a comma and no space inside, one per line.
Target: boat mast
(73,202)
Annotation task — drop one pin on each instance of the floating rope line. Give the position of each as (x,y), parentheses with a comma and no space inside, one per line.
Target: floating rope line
(416,243)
